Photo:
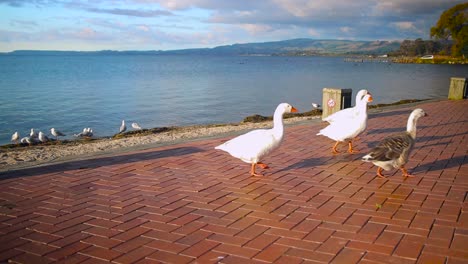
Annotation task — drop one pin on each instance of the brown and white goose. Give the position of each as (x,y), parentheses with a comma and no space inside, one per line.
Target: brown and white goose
(394,151)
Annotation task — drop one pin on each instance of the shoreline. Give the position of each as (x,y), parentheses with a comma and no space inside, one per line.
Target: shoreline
(23,157)
(40,155)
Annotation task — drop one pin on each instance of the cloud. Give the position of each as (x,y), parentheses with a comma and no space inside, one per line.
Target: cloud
(23,23)
(313,33)
(172,24)
(131,12)
(144,28)
(255,29)
(405,25)
(86,33)
(346,29)
(207,4)
(413,7)
(20,3)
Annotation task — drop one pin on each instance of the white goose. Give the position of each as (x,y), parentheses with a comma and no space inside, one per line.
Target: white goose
(394,151)
(254,145)
(348,123)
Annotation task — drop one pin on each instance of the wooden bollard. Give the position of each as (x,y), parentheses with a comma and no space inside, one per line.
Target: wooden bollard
(334,99)
(458,89)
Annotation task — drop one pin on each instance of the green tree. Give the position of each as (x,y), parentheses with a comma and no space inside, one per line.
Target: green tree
(453,24)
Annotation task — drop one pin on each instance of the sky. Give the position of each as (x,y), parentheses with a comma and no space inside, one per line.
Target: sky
(87,25)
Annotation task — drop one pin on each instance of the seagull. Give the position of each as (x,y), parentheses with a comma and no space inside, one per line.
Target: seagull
(33,133)
(42,137)
(26,140)
(123,127)
(315,105)
(56,133)
(15,137)
(87,132)
(136,126)
(29,140)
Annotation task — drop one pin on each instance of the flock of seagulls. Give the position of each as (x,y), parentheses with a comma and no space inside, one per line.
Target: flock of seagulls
(123,127)
(344,126)
(35,138)
(86,133)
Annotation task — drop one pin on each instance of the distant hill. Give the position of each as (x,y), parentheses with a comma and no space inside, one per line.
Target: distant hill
(296,47)
(311,47)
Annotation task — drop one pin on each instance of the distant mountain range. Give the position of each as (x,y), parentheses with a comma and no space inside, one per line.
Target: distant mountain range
(296,47)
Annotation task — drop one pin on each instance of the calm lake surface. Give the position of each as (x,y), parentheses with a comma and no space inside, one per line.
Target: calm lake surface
(71,92)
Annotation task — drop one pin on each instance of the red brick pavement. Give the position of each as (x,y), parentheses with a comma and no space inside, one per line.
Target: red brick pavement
(190,203)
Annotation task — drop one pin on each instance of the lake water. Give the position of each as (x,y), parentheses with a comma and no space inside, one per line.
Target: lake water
(98,91)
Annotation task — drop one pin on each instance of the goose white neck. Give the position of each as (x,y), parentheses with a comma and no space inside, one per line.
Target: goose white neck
(361,106)
(411,125)
(278,125)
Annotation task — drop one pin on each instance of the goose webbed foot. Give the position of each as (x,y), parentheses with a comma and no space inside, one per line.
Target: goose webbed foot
(379,173)
(252,169)
(263,165)
(334,150)
(405,173)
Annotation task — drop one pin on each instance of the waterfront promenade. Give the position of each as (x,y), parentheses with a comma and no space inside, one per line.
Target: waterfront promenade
(189,203)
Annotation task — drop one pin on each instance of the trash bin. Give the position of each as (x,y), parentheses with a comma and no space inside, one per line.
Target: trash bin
(458,89)
(334,99)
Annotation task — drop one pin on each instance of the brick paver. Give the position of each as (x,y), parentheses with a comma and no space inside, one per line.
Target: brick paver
(189,203)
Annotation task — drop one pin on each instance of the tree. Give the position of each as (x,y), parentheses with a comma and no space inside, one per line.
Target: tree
(453,24)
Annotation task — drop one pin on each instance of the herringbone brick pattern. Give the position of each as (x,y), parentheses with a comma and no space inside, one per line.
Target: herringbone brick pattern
(189,203)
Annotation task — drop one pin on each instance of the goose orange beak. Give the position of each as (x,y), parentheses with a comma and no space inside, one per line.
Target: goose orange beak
(293,110)
(370,98)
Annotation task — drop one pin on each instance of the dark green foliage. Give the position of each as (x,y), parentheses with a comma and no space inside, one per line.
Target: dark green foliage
(453,24)
(421,47)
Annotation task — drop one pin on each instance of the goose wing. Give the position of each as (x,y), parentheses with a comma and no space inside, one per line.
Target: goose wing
(250,146)
(344,114)
(391,148)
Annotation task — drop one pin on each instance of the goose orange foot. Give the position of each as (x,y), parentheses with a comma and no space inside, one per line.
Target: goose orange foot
(405,173)
(252,170)
(350,148)
(379,173)
(334,150)
(262,165)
